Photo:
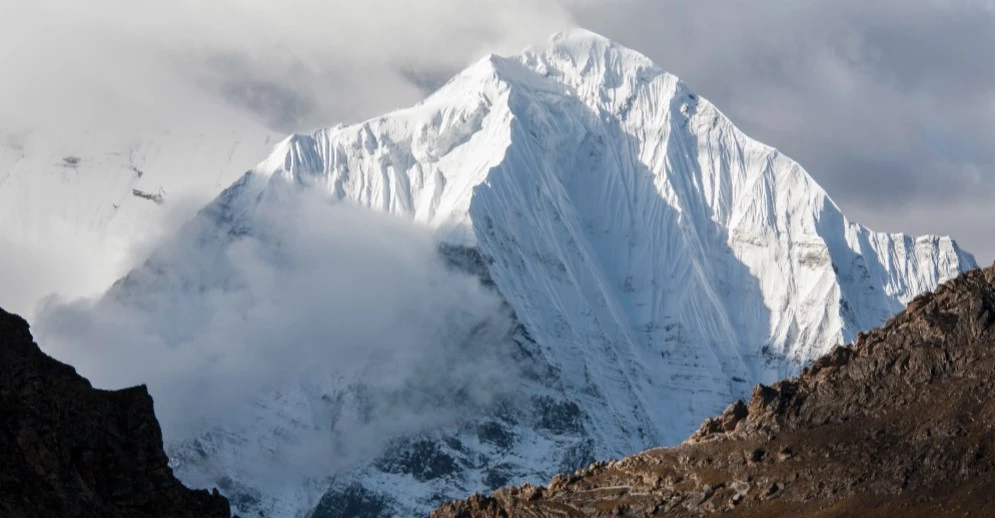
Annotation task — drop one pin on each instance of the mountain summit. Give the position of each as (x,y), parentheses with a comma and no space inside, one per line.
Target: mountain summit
(658,263)
(620,212)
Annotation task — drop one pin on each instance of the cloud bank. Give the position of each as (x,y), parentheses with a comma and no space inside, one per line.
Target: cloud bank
(349,319)
(291,65)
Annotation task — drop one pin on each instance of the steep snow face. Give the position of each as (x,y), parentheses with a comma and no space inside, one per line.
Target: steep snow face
(648,245)
(659,263)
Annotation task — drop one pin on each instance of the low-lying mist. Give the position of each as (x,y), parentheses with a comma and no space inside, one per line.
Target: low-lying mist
(329,325)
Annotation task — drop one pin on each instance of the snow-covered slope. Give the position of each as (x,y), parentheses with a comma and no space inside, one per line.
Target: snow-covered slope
(658,262)
(620,211)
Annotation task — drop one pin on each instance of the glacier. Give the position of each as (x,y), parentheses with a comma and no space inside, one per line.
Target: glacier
(655,263)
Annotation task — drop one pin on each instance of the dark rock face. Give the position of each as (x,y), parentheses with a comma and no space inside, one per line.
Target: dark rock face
(353,501)
(902,423)
(67,449)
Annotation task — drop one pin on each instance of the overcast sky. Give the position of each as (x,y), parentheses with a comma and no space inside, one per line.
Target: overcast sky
(890,104)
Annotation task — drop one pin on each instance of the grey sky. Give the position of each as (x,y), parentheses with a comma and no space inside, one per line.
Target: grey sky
(890,105)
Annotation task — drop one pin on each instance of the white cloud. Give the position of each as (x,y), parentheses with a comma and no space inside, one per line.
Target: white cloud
(343,60)
(310,298)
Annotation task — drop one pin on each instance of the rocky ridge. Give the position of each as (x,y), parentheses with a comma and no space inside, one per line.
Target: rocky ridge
(898,423)
(68,449)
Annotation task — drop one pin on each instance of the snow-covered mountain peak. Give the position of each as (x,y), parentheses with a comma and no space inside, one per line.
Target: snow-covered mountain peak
(601,78)
(581,167)
(579,53)
(579,37)
(659,263)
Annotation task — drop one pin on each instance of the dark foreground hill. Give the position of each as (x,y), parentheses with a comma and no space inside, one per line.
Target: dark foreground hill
(67,449)
(901,423)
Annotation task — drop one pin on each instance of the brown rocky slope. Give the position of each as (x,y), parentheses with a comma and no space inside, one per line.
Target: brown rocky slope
(67,449)
(901,423)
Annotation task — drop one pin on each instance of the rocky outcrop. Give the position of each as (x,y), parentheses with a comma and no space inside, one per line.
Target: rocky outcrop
(901,423)
(67,449)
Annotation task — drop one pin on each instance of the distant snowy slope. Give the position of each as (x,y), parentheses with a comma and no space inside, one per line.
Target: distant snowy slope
(658,263)
(76,198)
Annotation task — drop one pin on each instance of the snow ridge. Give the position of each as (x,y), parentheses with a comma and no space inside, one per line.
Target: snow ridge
(658,261)
(583,169)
